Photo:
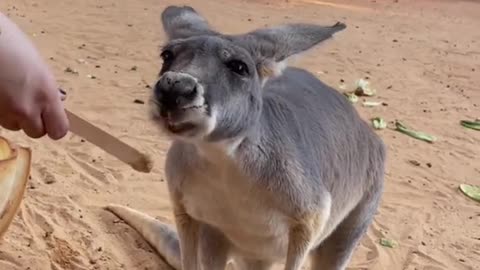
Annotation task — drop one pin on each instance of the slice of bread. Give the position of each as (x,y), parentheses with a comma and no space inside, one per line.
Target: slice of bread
(15,162)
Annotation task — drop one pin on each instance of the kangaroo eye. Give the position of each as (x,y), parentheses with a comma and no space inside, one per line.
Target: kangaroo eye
(167,56)
(238,67)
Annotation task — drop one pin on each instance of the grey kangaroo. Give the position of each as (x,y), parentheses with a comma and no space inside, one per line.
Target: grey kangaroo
(267,164)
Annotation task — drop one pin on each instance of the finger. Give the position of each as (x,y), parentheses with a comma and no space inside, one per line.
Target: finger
(55,121)
(10,124)
(33,126)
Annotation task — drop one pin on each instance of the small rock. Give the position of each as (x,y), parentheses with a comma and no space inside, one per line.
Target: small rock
(71,70)
(50,180)
(429,165)
(134,68)
(148,86)
(93,261)
(249,19)
(97,66)
(82,140)
(423,243)
(461,260)
(395,40)
(99,249)
(138,101)
(342,80)
(384,104)
(414,162)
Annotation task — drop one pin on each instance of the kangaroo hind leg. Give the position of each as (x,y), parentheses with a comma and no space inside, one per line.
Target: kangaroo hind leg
(335,251)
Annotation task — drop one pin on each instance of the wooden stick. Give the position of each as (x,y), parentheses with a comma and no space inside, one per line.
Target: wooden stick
(109,143)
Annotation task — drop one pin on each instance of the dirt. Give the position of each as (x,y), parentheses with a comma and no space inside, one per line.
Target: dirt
(421,57)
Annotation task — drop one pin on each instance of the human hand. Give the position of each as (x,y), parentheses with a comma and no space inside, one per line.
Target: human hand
(29,96)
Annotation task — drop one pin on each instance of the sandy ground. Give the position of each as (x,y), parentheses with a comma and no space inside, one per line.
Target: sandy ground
(423,57)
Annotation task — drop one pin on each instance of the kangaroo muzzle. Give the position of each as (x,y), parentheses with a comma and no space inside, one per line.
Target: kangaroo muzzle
(176,90)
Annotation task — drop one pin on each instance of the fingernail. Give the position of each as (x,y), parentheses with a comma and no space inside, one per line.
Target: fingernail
(63,94)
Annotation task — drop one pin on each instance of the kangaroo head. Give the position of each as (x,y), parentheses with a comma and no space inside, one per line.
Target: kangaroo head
(210,84)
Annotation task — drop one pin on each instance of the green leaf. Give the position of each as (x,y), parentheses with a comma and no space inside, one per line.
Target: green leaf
(379,123)
(470,191)
(352,97)
(471,124)
(371,103)
(388,242)
(415,134)
(363,88)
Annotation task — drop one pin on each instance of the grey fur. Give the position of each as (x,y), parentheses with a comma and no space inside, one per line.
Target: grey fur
(273,168)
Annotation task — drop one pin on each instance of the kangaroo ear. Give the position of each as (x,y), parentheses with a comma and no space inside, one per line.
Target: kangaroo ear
(183,22)
(271,46)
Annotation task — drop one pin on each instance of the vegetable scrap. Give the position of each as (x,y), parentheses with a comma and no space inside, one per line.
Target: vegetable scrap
(372,103)
(473,192)
(351,97)
(379,123)
(471,124)
(415,134)
(388,243)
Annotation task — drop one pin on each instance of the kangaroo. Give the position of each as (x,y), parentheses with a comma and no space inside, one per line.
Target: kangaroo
(267,164)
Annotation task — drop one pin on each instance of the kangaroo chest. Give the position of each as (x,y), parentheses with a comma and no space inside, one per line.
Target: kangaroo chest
(229,201)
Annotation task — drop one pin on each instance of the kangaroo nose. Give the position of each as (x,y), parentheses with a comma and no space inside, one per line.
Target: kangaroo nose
(175,90)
